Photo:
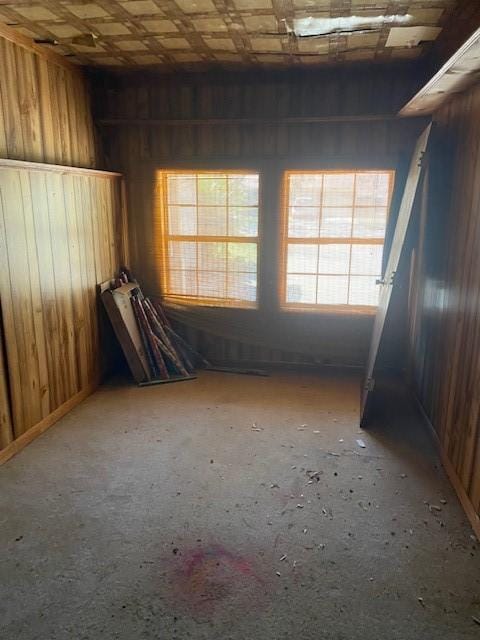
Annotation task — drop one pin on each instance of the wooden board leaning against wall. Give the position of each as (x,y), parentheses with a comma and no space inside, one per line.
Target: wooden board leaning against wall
(61,234)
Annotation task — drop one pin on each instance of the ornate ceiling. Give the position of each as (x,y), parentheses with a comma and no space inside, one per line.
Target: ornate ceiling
(197,33)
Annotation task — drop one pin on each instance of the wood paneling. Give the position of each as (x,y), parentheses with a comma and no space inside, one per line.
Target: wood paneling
(44,106)
(264,122)
(6,430)
(458,73)
(48,219)
(445,314)
(59,229)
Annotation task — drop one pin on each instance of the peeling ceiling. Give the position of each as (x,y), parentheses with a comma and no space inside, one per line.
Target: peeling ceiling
(199,33)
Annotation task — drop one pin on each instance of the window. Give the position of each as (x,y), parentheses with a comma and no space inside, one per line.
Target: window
(333,236)
(210,237)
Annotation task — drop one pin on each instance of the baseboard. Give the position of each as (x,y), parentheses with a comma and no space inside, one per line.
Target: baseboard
(34,432)
(462,495)
(282,365)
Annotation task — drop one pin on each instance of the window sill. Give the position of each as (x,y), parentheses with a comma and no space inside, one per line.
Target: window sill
(205,303)
(330,310)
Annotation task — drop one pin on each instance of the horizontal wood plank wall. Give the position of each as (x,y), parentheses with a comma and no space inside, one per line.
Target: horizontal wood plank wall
(58,241)
(139,148)
(445,314)
(45,113)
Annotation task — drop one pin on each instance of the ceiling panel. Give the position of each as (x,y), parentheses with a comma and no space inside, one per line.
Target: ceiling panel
(199,33)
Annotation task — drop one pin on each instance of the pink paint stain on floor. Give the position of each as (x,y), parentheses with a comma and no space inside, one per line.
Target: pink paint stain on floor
(206,577)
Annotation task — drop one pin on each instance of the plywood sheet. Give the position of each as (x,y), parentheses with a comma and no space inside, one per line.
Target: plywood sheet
(119,308)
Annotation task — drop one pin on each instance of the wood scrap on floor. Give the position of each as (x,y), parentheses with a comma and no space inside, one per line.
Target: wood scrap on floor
(237,370)
(154,352)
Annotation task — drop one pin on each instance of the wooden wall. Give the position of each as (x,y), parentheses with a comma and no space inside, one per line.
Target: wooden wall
(266,122)
(445,309)
(45,113)
(59,233)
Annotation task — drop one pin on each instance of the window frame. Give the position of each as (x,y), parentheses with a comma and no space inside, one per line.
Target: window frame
(164,236)
(285,240)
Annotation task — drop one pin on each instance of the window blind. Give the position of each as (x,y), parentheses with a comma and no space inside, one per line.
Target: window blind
(333,237)
(210,237)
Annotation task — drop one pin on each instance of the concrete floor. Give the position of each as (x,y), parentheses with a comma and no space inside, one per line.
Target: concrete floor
(162,512)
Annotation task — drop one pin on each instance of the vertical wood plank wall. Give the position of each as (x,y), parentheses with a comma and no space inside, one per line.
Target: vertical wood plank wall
(445,314)
(6,429)
(137,149)
(45,113)
(58,232)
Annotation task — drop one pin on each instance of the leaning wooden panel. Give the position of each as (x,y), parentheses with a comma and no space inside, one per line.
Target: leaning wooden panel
(396,250)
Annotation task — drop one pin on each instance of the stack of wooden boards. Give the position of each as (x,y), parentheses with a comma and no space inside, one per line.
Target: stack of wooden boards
(154,351)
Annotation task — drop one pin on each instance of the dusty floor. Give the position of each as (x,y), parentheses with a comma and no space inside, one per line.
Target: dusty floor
(163,512)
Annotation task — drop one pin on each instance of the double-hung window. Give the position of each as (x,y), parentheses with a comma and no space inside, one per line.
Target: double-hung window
(210,237)
(333,235)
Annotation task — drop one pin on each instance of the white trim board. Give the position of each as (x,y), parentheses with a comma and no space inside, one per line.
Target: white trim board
(458,73)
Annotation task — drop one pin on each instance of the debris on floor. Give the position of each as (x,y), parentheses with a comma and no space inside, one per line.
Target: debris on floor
(238,370)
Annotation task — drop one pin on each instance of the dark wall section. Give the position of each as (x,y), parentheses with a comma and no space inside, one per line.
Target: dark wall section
(272,123)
